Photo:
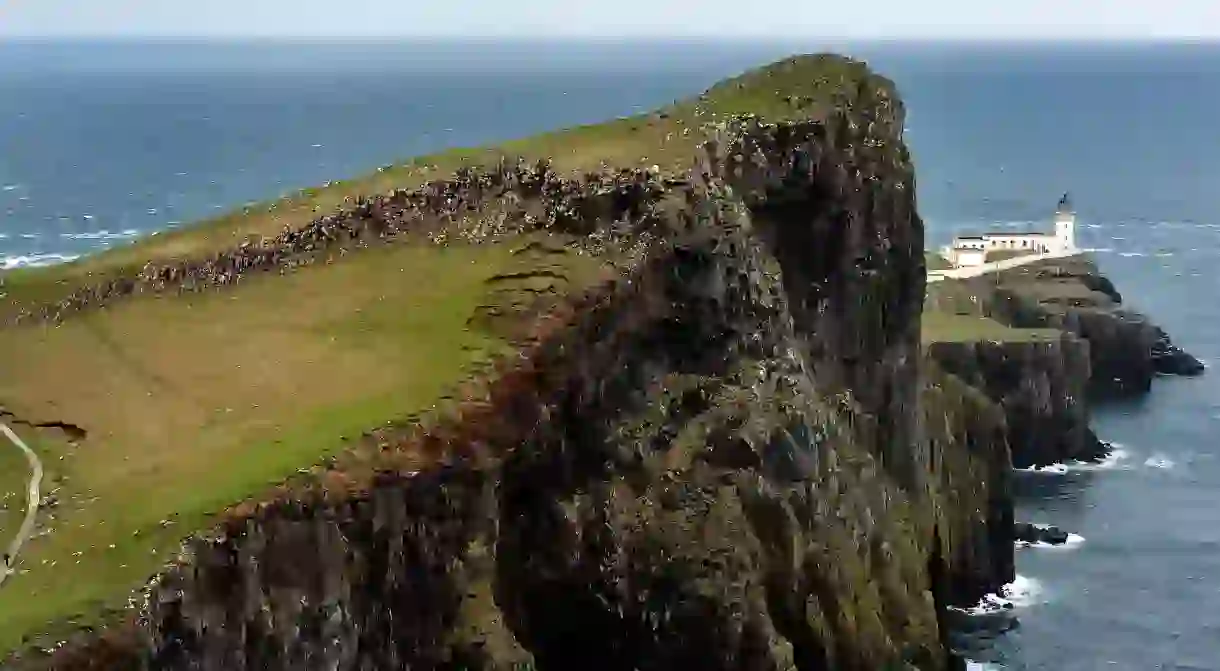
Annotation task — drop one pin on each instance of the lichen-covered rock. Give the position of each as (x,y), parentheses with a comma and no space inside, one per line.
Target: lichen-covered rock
(723,459)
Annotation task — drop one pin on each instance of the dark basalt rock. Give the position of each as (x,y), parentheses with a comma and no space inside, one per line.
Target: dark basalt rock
(1169,359)
(1032,533)
(1040,385)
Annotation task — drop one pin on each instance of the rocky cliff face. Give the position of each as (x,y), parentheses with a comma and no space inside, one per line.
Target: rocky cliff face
(1041,386)
(724,459)
(1126,349)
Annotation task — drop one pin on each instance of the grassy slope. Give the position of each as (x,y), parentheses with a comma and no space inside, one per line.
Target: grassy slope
(952,313)
(194,402)
(14,475)
(935,261)
(948,327)
(667,139)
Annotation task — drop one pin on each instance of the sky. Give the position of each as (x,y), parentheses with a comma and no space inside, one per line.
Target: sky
(871,19)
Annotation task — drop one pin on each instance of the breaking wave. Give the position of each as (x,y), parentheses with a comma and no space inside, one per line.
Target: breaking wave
(101,235)
(1117,459)
(34,260)
(1074,541)
(1019,593)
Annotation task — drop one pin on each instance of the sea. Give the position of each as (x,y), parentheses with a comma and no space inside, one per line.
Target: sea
(103,142)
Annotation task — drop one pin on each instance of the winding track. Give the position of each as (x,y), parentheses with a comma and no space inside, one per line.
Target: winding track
(31,510)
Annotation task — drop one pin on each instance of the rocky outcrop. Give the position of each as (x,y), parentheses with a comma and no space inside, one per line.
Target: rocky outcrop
(1034,534)
(1040,385)
(1126,350)
(966,436)
(724,458)
(509,198)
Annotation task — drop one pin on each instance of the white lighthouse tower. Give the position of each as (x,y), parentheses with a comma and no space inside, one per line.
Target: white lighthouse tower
(1065,227)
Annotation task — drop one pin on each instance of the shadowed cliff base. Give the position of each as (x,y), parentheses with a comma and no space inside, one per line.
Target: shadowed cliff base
(722,455)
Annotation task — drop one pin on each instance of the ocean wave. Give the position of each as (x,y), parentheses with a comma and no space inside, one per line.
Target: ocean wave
(1117,459)
(1074,541)
(101,235)
(972,665)
(1160,461)
(10,187)
(1099,250)
(1020,593)
(34,260)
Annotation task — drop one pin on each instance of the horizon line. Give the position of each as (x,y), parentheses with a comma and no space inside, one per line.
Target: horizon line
(537,39)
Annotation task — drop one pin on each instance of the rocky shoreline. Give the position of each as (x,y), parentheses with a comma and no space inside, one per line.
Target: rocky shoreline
(736,454)
(1046,385)
(1126,350)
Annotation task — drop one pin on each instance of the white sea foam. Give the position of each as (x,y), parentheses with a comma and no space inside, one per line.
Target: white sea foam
(972,665)
(29,236)
(1019,593)
(1073,541)
(1160,461)
(9,187)
(101,235)
(1099,250)
(1117,459)
(1130,254)
(34,260)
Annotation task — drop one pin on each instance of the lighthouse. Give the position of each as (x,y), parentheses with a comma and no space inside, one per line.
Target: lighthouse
(1065,226)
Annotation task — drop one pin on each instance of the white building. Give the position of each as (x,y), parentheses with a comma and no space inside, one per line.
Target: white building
(972,250)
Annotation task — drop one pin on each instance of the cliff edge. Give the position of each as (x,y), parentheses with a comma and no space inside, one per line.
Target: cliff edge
(731,454)
(1045,341)
(1126,349)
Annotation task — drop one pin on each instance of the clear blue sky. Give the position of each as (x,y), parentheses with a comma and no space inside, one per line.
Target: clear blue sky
(900,19)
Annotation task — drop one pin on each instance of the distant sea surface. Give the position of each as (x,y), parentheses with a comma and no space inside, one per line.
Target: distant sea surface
(100,143)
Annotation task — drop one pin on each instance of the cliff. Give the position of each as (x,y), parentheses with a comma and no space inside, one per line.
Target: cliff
(1043,341)
(1126,350)
(732,455)
(1041,387)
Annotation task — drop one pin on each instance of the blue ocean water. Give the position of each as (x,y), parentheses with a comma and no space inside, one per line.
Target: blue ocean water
(103,142)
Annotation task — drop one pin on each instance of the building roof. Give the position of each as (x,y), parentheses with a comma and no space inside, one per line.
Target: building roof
(1020,234)
(1065,204)
(969,237)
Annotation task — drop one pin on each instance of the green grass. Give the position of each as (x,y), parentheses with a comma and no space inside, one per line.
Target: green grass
(946,327)
(195,402)
(935,261)
(790,89)
(14,475)
(1002,254)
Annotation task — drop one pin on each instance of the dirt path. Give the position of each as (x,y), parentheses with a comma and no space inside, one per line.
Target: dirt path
(31,510)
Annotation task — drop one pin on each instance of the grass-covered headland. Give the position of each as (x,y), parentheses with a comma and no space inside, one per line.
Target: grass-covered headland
(198,367)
